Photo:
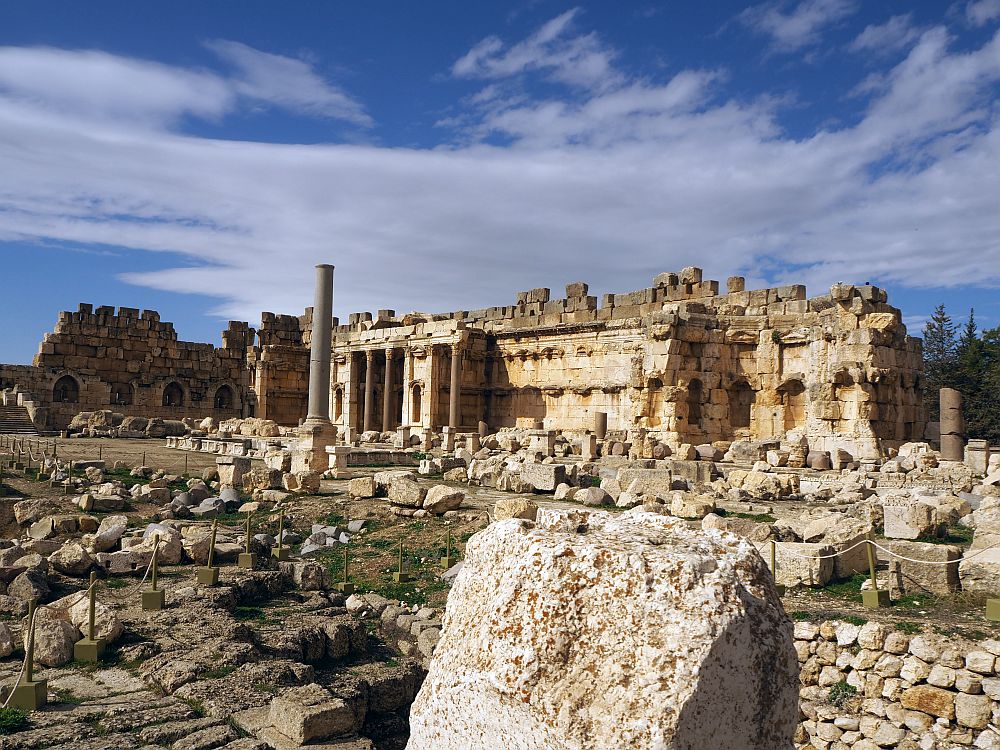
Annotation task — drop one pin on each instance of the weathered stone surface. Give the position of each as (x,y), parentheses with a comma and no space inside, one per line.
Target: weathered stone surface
(797,563)
(686,505)
(309,713)
(930,700)
(109,532)
(514,507)
(441,498)
(54,641)
(406,492)
(543,477)
(550,641)
(71,559)
(905,519)
(361,487)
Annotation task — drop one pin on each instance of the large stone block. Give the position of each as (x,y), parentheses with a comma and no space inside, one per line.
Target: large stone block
(544,477)
(309,713)
(907,577)
(798,564)
(551,641)
(907,519)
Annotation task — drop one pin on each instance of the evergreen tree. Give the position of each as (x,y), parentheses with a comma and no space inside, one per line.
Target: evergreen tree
(940,359)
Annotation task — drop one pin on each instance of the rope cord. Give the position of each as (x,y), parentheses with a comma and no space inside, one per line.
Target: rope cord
(890,553)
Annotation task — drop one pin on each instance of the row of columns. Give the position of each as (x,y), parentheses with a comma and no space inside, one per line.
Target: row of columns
(387,386)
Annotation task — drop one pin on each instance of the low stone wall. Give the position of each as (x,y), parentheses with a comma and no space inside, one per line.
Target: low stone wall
(869,686)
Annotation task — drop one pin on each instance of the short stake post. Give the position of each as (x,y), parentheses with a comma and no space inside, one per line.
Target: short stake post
(401,575)
(209,575)
(30,694)
(874,598)
(774,568)
(345,586)
(154,599)
(281,552)
(447,561)
(248,560)
(90,648)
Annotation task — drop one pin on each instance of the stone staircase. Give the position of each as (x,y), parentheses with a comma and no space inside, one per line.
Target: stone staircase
(14,420)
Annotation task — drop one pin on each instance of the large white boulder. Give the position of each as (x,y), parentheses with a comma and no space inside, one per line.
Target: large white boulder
(587,630)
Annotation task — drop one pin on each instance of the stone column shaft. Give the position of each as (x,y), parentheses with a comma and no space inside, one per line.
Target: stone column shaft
(952,425)
(387,392)
(369,390)
(319,356)
(456,386)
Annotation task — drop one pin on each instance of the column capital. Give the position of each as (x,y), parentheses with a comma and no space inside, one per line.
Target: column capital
(369,354)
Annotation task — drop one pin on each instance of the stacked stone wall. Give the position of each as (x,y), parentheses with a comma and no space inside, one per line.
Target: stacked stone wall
(867,686)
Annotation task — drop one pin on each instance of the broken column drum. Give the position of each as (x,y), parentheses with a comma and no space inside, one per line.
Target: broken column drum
(952,425)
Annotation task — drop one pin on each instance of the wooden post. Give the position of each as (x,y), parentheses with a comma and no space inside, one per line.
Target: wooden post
(345,586)
(401,575)
(248,560)
(874,598)
(154,599)
(90,648)
(281,552)
(209,575)
(30,694)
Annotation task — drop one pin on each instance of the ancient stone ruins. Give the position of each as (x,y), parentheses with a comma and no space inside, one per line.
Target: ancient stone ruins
(676,520)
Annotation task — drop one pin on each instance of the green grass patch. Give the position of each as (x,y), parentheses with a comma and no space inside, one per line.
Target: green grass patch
(846,588)
(905,626)
(841,693)
(853,619)
(959,535)
(12,720)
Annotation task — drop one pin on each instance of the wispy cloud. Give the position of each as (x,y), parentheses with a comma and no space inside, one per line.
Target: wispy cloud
(287,82)
(981,12)
(800,26)
(581,60)
(896,34)
(114,89)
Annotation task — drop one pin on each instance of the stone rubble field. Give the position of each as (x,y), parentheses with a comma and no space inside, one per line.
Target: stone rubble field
(632,549)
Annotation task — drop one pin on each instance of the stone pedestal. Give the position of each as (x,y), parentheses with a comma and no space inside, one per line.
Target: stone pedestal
(310,453)
(89,650)
(952,425)
(232,469)
(153,601)
(426,443)
(402,438)
(484,429)
(588,447)
(977,456)
(448,439)
(337,456)
(472,443)
(208,576)
(30,695)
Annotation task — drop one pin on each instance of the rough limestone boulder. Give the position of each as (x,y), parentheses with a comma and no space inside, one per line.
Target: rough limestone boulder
(587,630)
(441,498)
(109,532)
(71,559)
(54,641)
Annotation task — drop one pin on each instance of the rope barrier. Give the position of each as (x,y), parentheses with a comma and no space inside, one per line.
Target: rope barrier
(890,552)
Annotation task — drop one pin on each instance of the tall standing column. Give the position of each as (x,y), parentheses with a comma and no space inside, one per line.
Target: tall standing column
(319,355)
(369,389)
(387,425)
(456,385)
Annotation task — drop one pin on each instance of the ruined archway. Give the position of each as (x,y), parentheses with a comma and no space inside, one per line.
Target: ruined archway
(415,404)
(66,390)
(173,395)
(224,398)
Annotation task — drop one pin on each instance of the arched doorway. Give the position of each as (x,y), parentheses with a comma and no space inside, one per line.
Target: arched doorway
(793,398)
(741,401)
(224,398)
(338,404)
(173,395)
(654,410)
(66,390)
(121,394)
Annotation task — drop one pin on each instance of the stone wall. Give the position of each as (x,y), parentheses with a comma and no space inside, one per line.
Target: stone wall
(870,686)
(133,363)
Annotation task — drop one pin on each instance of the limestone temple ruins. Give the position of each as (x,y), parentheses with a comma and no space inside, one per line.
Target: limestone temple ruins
(678,359)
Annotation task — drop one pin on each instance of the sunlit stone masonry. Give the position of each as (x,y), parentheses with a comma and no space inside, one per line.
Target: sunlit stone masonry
(679,359)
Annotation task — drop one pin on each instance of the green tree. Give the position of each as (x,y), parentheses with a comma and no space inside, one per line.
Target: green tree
(940,359)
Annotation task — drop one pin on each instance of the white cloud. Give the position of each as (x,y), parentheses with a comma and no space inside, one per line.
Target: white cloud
(111,88)
(578,60)
(632,179)
(800,27)
(981,12)
(288,83)
(895,34)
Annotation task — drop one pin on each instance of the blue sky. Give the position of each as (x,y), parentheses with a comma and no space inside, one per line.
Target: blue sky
(200,158)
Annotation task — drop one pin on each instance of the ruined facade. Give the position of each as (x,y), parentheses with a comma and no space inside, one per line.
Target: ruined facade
(131,362)
(678,359)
